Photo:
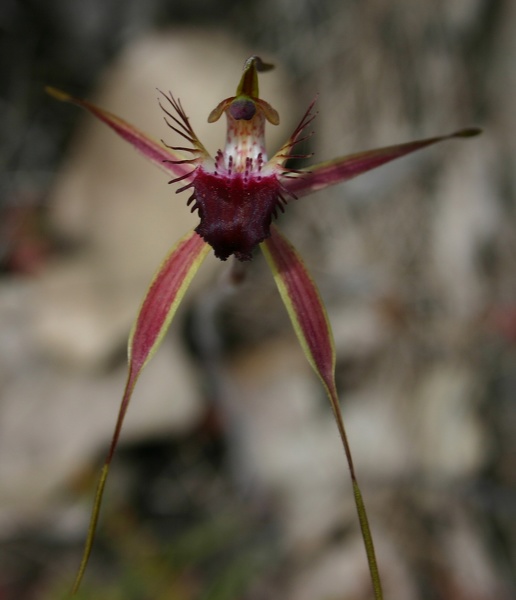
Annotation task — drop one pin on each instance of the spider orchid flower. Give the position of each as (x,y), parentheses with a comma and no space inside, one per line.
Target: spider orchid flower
(237,194)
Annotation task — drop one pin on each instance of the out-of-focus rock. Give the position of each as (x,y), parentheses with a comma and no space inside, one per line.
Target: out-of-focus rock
(465,225)
(288,441)
(450,438)
(81,320)
(358,330)
(473,573)
(52,418)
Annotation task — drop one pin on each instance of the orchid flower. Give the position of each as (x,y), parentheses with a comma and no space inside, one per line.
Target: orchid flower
(237,194)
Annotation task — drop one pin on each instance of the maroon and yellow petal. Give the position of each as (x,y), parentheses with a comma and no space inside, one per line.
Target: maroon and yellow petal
(308,315)
(157,310)
(304,306)
(165,159)
(344,168)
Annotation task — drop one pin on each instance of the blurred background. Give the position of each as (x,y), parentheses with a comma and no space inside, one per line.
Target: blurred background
(229,481)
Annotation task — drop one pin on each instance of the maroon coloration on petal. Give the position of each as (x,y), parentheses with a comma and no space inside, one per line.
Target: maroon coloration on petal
(158,307)
(345,168)
(167,160)
(236,210)
(304,305)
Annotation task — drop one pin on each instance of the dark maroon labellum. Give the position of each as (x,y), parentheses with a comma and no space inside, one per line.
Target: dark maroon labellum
(242,109)
(235,210)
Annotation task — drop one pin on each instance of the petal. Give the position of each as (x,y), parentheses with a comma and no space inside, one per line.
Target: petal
(158,308)
(310,322)
(150,148)
(303,305)
(346,167)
